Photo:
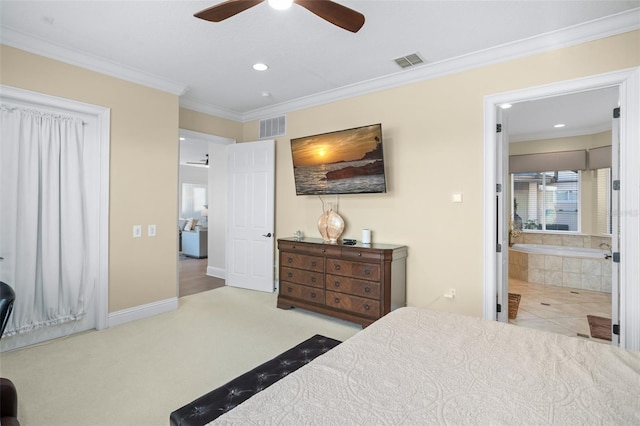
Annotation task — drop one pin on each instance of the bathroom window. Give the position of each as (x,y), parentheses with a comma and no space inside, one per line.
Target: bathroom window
(603,201)
(547,200)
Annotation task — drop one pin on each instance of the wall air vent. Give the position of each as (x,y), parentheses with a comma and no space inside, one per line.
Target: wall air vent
(409,60)
(271,127)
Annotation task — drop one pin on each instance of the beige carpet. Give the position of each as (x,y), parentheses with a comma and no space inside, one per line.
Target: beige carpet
(136,374)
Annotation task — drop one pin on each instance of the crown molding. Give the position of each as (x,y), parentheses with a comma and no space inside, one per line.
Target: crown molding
(85,60)
(581,33)
(210,109)
(577,34)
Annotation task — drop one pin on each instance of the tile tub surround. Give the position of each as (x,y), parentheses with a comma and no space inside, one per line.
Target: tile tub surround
(588,274)
(574,272)
(558,239)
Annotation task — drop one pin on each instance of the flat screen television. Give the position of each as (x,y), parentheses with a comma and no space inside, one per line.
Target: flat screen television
(343,162)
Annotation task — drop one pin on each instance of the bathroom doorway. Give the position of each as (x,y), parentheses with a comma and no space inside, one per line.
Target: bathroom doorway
(559,204)
(499,209)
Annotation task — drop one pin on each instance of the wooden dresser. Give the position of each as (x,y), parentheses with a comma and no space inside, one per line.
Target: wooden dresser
(359,283)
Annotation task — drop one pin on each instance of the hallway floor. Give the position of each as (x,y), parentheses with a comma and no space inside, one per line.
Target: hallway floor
(561,310)
(193,277)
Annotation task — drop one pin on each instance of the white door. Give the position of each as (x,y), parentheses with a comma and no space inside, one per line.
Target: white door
(615,226)
(502,225)
(250,215)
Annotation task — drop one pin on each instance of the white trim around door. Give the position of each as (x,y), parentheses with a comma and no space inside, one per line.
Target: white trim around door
(628,82)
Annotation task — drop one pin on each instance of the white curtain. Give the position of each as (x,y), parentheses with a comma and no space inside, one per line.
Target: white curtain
(43,237)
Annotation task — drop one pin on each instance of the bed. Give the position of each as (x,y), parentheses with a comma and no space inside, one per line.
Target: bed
(417,366)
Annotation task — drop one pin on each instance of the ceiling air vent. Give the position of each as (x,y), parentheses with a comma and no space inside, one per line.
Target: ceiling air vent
(271,127)
(409,60)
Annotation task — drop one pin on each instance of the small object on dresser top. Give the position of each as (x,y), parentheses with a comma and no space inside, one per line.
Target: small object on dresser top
(349,242)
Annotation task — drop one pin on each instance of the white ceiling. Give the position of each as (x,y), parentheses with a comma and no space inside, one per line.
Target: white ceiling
(161,44)
(582,113)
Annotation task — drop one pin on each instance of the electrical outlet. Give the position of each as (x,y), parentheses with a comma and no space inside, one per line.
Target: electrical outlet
(137,231)
(151,231)
(450,294)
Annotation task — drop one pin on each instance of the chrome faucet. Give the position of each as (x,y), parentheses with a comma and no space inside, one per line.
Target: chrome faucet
(608,246)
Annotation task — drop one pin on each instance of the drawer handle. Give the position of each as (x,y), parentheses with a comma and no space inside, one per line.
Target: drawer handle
(367,289)
(337,267)
(324,250)
(359,254)
(313,279)
(289,289)
(367,307)
(289,274)
(290,259)
(336,283)
(337,300)
(313,295)
(367,271)
(313,263)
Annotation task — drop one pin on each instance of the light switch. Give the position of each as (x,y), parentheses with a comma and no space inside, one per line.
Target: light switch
(137,231)
(456,197)
(151,231)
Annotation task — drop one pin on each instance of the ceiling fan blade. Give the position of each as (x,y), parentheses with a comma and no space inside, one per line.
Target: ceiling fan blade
(225,10)
(335,13)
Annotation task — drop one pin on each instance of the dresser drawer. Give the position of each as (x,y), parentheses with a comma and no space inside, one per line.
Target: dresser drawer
(360,305)
(353,286)
(302,292)
(356,253)
(310,249)
(302,261)
(367,271)
(302,276)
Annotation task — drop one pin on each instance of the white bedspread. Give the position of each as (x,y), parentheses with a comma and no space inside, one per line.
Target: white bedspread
(417,367)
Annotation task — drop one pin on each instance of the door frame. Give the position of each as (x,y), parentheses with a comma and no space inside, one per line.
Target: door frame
(102,118)
(628,82)
(217,190)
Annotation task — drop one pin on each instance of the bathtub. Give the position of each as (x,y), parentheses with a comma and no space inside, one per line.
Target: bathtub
(564,251)
(576,267)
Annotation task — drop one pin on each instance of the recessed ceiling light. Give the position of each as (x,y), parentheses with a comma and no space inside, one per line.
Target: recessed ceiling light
(265,94)
(280,4)
(183,139)
(260,66)
(506,106)
(557,126)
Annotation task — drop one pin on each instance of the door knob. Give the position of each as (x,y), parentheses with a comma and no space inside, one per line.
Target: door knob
(267,235)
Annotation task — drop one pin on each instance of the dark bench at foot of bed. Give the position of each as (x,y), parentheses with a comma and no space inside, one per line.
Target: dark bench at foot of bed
(217,402)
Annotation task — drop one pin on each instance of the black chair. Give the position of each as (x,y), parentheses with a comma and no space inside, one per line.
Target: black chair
(8,394)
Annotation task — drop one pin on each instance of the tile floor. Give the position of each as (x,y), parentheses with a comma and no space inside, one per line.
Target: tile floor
(561,310)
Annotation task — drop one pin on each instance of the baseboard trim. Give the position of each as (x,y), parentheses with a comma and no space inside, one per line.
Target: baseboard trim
(212,271)
(143,311)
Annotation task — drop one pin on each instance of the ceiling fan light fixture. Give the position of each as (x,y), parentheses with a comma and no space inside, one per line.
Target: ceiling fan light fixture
(280,4)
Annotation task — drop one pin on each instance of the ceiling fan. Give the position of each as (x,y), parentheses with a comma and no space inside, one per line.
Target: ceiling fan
(203,162)
(334,13)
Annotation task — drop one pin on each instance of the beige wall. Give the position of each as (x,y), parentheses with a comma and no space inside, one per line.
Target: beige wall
(561,144)
(143,170)
(433,147)
(205,123)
